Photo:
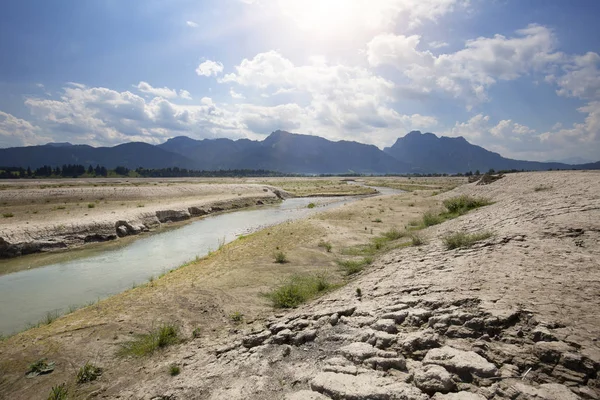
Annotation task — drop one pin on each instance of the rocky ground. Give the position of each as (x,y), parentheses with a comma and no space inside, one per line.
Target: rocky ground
(514,317)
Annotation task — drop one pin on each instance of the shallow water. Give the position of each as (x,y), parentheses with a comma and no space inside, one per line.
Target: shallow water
(28,295)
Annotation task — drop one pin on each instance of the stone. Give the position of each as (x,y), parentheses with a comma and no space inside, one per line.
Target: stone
(334,319)
(550,352)
(433,378)
(305,395)
(461,332)
(358,351)
(418,316)
(420,340)
(555,391)
(364,387)
(304,337)
(256,339)
(397,316)
(385,325)
(460,362)
(386,363)
(282,337)
(458,396)
(383,340)
(543,334)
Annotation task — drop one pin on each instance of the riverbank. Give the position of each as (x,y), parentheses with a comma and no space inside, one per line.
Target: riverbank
(53,215)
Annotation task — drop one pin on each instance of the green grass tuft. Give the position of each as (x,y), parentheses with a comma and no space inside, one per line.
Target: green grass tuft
(146,344)
(297,290)
(237,317)
(352,267)
(174,370)
(417,239)
(88,373)
(462,239)
(280,257)
(59,392)
(463,204)
(326,245)
(311,205)
(8,215)
(91,205)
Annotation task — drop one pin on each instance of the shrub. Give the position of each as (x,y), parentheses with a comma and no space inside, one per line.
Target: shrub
(88,373)
(236,317)
(325,245)
(462,204)
(416,239)
(280,257)
(146,344)
(174,370)
(311,205)
(430,218)
(352,267)
(297,290)
(358,292)
(462,239)
(393,234)
(8,215)
(59,392)
(91,205)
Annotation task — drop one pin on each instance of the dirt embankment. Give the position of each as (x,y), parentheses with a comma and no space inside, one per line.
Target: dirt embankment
(51,217)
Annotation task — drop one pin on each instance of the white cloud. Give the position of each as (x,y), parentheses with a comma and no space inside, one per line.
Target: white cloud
(581,78)
(236,95)
(209,68)
(184,94)
(18,132)
(438,44)
(468,73)
(191,24)
(165,92)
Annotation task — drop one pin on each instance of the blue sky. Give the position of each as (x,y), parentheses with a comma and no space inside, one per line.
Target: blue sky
(520,77)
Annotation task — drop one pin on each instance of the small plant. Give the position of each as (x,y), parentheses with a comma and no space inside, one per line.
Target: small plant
(462,204)
(196,333)
(141,205)
(377,220)
(59,392)
(462,239)
(352,267)
(88,373)
(297,290)
(393,234)
(237,317)
(174,370)
(39,367)
(146,344)
(431,218)
(358,292)
(280,257)
(311,205)
(8,215)
(542,188)
(91,205)
(50,317)
(61,207)
(325,245)
(416,239)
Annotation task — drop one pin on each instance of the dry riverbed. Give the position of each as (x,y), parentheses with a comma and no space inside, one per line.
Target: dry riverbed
(514,316)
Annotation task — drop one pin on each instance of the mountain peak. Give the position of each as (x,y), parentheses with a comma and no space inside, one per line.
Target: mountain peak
(58,144)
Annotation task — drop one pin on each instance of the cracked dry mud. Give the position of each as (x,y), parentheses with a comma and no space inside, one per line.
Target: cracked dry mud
(514,317)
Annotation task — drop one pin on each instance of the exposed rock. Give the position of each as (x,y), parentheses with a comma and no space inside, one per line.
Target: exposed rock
(433,378)
(384,363)
(550,352)
(397,316)
(358,351)
(385,325)
(256,339)
(460,361)
(458,396)
(420,340)
(304,337)
(363,387)
(172,215)
(305,395)
(282,337)
(541,333)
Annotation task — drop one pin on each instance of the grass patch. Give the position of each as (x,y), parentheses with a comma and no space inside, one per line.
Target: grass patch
(430,219)
(352,267)
(8,215)
(325,245)
(311,205)
(59,392)
(196,333)
(463,204)
(392,234)
(280,257)
(91,205)
(174,370)
(377,220)
(416,239)
(39,367)
(88,373)
(542,188)
(297,290)
(237,317)
(146,344)
(462,239)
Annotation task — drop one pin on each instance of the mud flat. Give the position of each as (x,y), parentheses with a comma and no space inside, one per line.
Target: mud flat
(43,216)
(513,316)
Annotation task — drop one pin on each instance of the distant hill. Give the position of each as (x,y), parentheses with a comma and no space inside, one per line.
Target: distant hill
(284,152)
(130,155)
(443,154)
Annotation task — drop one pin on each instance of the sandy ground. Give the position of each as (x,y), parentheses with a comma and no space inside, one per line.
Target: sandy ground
(515,316)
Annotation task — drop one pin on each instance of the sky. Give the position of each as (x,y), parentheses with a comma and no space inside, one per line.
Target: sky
(519,77)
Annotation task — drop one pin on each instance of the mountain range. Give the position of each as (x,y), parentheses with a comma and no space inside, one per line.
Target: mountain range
(287,152)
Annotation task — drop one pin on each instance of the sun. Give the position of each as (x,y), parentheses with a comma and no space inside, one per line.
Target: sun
(326,17)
